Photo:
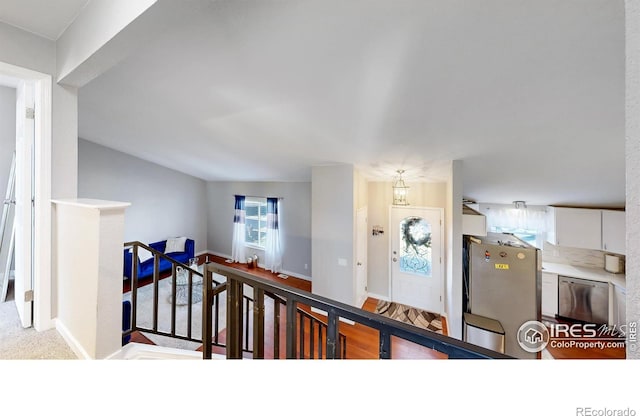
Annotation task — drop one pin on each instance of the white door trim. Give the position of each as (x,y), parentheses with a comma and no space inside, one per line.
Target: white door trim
(442,274)
(364,211)
(10,75)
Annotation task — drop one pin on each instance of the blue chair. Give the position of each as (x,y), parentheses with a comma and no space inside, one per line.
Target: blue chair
(126,320)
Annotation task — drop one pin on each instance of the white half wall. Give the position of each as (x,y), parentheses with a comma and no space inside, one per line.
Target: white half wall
(89,238)
(164,203)
(295,224)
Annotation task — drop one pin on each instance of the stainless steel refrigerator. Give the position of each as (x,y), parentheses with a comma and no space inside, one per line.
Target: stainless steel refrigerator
(503,282)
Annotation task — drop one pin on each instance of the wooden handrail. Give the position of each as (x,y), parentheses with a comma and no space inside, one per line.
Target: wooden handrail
(387,327)
(334,344)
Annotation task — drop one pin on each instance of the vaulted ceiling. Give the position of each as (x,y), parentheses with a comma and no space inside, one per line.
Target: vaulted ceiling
(528,94)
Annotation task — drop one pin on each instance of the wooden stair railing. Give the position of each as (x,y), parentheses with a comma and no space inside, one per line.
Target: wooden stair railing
(386,327)
(217,290)
(330,343)
(156,277)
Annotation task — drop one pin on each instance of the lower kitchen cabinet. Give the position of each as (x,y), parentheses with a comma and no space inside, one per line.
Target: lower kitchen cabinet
(619,310)
(549,294)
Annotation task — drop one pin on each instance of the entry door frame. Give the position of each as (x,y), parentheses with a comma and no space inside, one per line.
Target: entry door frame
(361,260)
(12,75)
(442,248)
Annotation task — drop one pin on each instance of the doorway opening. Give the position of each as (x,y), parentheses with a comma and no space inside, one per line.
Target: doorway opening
(31,280)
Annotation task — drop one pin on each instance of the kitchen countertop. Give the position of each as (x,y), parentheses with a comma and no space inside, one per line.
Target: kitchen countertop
(589,273)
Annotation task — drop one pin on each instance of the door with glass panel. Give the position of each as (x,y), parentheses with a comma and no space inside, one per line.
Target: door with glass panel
(416,257)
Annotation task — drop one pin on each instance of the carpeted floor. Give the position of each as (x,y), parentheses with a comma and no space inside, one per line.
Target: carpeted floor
(413,316)
(145,315)
(17,343)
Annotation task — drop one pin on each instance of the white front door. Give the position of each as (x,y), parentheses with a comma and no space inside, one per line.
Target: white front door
(416,257)
(361,256)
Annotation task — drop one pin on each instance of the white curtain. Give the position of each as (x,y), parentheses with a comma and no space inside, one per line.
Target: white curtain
(531,219)
(273,246)
(238,252)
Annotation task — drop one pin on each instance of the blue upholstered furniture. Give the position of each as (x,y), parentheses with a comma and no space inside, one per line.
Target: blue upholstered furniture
(126,320)
(145,269)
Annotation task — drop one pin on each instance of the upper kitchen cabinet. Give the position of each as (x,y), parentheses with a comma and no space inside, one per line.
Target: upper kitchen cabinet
(473,222)
(575,227)
(613,231)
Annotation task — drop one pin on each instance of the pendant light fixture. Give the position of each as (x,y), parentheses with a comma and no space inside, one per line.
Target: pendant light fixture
(400,190)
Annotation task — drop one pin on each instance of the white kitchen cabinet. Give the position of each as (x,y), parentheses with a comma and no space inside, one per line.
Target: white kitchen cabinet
(473,222)
(575,227)
(613,231)
(549,294)
(619,310)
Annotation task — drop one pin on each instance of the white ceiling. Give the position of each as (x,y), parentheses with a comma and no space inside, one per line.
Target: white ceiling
(47,18)
(529,94)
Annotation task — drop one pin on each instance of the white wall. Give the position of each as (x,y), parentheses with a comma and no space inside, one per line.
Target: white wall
(7,134)
(295,209)
(98,22)
(332,230)
(165,202)
(26,50)
(633,167)
(453,227)
(380,196)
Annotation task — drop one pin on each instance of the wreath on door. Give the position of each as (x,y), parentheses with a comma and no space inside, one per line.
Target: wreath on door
(416,233)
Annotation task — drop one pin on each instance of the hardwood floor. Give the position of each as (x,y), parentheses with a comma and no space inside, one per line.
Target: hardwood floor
(362,341)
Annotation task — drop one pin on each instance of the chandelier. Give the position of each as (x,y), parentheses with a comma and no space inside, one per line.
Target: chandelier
(400,190)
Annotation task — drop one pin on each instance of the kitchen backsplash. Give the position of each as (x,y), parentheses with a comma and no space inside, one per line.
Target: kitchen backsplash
(573,256)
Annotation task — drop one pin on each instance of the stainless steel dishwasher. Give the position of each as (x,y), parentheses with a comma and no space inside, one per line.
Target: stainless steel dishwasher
(583,300)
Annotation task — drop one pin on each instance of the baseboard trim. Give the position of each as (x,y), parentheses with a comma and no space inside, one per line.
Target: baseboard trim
(446,320)
(261,265)
(215,253)
(298,275)
(324,313)
(378,296)
(136,351)
(71,341)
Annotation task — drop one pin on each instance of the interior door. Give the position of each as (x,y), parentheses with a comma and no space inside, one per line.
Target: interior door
(24,216)
(7,233)
(416,257)
(361,256)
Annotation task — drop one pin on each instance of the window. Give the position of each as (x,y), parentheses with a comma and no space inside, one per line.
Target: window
(256,222)
(527,224)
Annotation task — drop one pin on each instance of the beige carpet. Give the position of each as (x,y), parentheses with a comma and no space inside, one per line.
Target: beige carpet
(145,315)
(17,343)
(410,315)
